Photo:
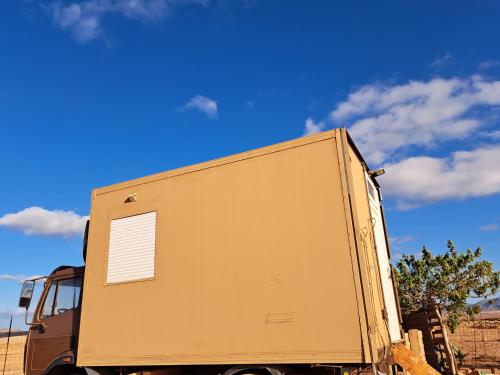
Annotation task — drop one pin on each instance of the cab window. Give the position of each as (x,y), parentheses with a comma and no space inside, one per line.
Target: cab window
(62,296)
(48,305)
(68,295)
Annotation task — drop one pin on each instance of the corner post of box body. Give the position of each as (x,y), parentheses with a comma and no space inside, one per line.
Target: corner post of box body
(353,232)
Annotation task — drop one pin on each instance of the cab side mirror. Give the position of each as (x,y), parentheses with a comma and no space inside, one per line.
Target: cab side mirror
(26,293)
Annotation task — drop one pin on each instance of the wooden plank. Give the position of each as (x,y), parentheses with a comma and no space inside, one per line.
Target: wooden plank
(410,362)
(417,343)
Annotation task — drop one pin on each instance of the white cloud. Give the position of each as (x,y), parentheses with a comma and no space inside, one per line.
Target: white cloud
(441,60)
(312,127)
(37,220)
(18,278)
(489,228)
(84,18)
(419,180)
(386,120)
(81,19)
(203,104)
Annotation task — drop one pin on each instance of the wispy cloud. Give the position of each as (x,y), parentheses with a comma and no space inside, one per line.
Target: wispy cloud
(312,127)
(489,228)
(398,255)
(441,60)
(386,120)
(419,180)
(397,241)
(494,135)
(398,244)
(484,65)
(250,104)
(17,278)
(202,103)
(8,312)
(38,220)
(84,19)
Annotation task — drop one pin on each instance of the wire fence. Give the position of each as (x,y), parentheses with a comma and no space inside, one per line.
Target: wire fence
(13,357)
(478,341)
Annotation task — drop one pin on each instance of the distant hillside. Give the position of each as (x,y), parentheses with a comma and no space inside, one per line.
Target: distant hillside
(15,332)
(489,304)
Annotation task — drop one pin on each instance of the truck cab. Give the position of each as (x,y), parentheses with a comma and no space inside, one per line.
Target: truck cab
(53,334)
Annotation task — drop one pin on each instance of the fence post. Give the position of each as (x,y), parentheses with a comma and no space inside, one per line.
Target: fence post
(7,347)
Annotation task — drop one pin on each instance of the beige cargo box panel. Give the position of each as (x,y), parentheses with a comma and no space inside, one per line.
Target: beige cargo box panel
(246,259)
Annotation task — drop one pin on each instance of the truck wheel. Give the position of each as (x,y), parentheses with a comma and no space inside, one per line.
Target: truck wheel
(66,370)
(264,370)
(254,372)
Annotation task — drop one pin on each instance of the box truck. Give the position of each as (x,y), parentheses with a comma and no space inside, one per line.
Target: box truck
(272,261)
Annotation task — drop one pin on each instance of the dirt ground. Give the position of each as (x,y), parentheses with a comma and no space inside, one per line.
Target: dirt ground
(479,339)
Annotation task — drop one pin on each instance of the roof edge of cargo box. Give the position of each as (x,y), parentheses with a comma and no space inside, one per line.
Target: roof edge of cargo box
(225,160)
(358,154)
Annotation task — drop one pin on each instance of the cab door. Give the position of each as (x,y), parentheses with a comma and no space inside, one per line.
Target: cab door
(55,323)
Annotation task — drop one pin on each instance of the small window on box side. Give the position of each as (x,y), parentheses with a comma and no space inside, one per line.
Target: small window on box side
(132,246)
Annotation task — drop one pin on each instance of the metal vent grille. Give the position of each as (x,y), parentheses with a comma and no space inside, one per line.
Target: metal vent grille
(132,243)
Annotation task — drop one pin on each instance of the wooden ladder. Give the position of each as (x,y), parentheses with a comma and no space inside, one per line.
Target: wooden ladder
(439,340)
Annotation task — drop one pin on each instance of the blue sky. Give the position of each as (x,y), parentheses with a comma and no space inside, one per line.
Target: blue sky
(95,92)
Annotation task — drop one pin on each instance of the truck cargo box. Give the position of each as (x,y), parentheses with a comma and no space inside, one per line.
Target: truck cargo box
(276,255)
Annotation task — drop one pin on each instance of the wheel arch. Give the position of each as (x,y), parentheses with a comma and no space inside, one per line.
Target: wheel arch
(62,364)
(269,369)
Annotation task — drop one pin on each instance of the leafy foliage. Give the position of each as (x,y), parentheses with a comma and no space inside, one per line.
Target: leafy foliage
(445,281)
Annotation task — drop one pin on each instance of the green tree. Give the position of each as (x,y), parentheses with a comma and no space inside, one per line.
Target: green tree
(445,282)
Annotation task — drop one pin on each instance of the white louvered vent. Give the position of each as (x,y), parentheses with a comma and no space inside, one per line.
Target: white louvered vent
(132,243)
